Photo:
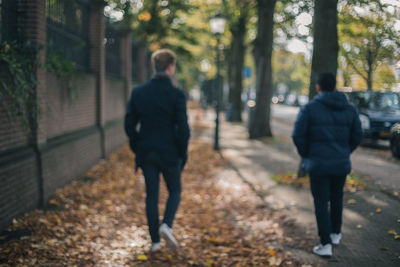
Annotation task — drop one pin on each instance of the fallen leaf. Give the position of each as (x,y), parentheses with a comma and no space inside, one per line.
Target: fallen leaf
(272,252)
(274,261)
(141,257)
(378,210)
(384,248)
(190,262)
(53,202)
(209,263)
(351,201)
(359,226)
(212,240)
(397,237)
(44,221)
(392,232)
(396,194)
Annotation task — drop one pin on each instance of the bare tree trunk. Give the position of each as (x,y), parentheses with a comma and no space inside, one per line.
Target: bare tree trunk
(369,80)
(370,61)
(346,78)
(259,125)
(237,54)
(325,51)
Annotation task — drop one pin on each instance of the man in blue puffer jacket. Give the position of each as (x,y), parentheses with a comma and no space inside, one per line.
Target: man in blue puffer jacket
(326,132)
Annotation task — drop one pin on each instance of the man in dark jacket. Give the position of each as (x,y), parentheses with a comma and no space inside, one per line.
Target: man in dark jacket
(326,132)
(160,144)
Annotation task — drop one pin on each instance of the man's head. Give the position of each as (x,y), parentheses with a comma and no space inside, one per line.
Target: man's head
(326,82)
(164,60)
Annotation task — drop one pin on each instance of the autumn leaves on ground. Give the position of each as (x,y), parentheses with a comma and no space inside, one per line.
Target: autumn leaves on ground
(100,221)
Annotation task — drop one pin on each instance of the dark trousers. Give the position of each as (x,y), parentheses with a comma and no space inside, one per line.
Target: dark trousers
(172,178)
(327,192)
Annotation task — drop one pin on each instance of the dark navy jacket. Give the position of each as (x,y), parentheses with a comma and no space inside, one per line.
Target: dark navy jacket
(326,131)
(156,123)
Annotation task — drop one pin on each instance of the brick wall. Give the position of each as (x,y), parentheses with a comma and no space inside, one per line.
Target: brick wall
(114,99)
(13,134)
(75,130)
(19,185)
(114,136)
(68,157)
(69,109)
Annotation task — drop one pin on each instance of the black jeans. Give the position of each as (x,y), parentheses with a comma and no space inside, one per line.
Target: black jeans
(172,178)
(328,190)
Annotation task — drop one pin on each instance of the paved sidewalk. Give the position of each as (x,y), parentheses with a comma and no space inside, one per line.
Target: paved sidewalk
(366,241)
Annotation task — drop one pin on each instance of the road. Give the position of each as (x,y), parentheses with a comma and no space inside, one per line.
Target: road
(373,161)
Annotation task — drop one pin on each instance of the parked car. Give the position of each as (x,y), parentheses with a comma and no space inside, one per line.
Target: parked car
(302,100)
(395,140)
(378,111)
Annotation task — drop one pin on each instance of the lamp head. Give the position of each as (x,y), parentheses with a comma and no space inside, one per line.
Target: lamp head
(217,24)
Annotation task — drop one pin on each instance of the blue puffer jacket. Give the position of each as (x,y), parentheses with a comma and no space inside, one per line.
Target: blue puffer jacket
(326,131)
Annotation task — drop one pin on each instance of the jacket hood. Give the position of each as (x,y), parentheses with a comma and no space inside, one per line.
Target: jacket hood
(334,100)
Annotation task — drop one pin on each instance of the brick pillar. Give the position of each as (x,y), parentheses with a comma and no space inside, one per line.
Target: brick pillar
(97,63)
(126,60)
(33,21)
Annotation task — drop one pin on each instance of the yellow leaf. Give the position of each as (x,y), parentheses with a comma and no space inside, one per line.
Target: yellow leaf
(396,194)
(209,263)
(271,252)
(53,202)
(397,237)
(392,232)
(378,210)
(58,220)
(141,257)
(274,261)
(107,202)
(44,221)
(190,262)
(146,16)
(351,201)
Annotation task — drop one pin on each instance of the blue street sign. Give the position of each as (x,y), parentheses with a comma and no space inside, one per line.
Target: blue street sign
(247,72)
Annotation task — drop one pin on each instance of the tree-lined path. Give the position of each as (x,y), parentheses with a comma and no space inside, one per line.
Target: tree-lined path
(100,220)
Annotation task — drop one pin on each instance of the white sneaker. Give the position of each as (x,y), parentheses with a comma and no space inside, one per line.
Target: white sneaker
(323,250)
(156,247)
(335,238)
(166,234)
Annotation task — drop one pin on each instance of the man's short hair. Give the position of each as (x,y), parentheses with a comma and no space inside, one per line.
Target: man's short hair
(326,81)
(162,58)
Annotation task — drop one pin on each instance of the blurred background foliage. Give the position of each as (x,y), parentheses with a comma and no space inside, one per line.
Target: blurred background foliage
(368,38)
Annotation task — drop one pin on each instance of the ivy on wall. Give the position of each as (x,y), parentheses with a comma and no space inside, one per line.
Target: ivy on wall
(18,81)
(63,69)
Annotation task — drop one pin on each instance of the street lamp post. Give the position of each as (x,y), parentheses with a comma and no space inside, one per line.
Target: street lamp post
(217,24)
